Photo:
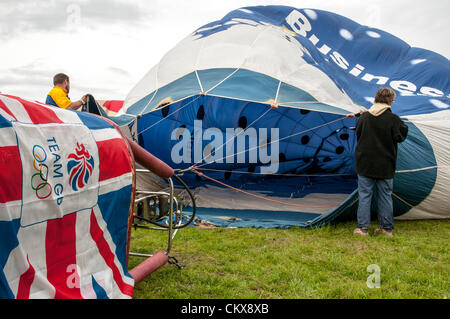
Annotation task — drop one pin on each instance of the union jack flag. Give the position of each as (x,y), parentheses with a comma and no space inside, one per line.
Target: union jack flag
(66,187)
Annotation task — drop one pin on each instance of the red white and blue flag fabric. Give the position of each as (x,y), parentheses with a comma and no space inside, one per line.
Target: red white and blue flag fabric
(66,188)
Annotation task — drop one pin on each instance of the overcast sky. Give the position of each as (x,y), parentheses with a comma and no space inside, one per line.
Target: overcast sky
(107,46)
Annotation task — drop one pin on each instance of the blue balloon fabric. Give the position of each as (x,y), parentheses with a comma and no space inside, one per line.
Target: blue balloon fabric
(280,80)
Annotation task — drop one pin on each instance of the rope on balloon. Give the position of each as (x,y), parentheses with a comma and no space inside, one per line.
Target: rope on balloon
(278,140)
(168,115)
(194,170)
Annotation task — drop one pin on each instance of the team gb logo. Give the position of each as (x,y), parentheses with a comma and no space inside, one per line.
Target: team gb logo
(80,167)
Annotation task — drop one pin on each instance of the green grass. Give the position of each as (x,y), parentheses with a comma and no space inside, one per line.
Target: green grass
(296,263)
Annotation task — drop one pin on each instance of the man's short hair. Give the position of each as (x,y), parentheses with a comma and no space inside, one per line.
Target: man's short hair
(385,95)
(60,78)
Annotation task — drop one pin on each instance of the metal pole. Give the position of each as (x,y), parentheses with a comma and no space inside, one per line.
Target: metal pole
(170,216)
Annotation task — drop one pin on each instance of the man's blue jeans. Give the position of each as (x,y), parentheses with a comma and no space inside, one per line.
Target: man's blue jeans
(384,201)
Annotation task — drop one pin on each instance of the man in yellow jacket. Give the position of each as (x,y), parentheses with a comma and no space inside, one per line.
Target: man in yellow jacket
(58,96)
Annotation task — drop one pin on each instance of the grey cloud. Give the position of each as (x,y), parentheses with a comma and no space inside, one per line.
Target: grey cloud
(119,71)
(32,73)
(37,76)
(31,69)
(31,87)
(28,15)
(15,81)
(36,85)
(30,79)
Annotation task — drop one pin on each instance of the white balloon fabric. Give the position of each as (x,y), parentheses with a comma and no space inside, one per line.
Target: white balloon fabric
(300,71)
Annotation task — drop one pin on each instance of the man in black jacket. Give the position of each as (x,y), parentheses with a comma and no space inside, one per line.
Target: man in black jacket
(378,132)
